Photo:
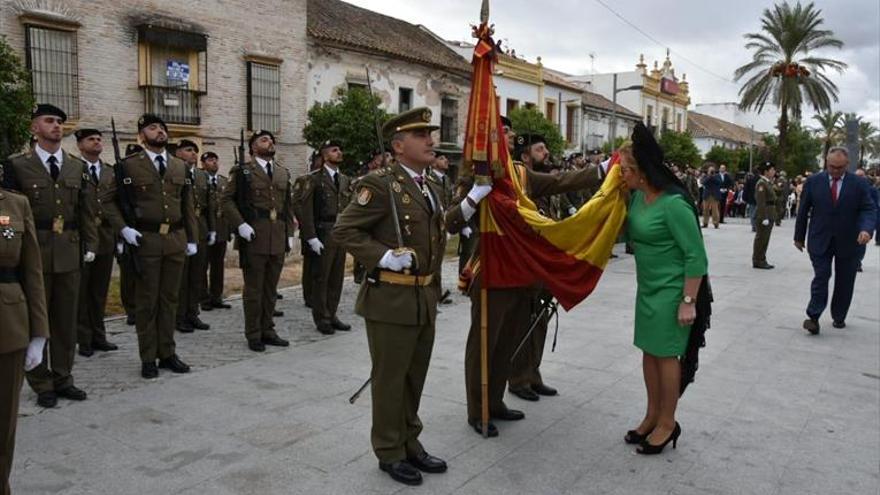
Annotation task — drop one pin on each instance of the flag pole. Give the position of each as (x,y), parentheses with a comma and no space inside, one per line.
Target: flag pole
(484,296)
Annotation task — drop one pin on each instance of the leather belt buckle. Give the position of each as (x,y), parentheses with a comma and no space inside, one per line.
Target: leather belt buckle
(273,215)
(58,225)
(164,228)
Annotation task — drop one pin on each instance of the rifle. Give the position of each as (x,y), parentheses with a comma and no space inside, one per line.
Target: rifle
(124,199)
(242,202)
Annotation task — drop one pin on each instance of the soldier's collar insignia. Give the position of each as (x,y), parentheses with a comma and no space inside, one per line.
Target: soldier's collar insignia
(405,199)
(395,186)
(364,196)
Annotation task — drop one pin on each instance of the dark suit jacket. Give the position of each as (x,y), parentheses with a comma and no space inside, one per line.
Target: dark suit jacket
(712,187)
(834,226)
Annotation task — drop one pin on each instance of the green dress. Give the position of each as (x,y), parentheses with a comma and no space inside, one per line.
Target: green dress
(668,248)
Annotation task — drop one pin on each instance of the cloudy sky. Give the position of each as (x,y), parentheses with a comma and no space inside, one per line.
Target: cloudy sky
(705,38)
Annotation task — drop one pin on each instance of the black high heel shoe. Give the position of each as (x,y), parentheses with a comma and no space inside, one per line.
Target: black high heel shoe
(633,437)
(648,449)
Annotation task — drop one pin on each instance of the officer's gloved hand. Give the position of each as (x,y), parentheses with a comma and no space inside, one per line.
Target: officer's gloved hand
(212,238)
(316,245)
(88,257)
(396,262)
(34,354)
(571,211)
(131,236)
(120,248)
(191,248)
(467,232)
(290,243)
(246,232)
(478,192)
(765,222)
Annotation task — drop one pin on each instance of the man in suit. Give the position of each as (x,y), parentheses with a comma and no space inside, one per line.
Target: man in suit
(726,185)
(217,184)
(95,276)
(712,198)
(61,196)
(836,216)
(164,233)
(326,192)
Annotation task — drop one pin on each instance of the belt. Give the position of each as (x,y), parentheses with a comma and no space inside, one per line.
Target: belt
(266,214)
(49,224)
(9,276)
(157,227)
(403,279)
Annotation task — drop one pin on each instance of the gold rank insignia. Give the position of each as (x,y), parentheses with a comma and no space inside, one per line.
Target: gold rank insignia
(364,196)
(395,186)
(405,199)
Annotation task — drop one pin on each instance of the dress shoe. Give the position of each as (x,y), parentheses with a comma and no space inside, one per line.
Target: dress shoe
(507,415)
(47,399)
(256,346)
(326,328)
(633,437)
(149,370)
(276,341)
(72,393)
(206,307)
(279,296)
(85,350)
(477,425)
(838,324)
(185,327)
(542,389)
(220,305)
(525,393)
(403,472)
(763,266)
(174,364)
(198,324)
(104,346)
(277,314)
(129,320)
(428,463)
(338,325)
(811,326)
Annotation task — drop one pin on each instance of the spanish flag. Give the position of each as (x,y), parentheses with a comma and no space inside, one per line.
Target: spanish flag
(519,247)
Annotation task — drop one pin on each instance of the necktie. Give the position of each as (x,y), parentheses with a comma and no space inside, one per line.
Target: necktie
(53,167)
(269,169)
(94,172)
(420,181)
(336,180)
(161,162)
(214,183)
(834,183)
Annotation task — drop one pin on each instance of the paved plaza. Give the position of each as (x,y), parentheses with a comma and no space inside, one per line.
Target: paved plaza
(773,410)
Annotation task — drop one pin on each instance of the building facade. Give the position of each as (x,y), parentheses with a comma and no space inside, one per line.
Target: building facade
(709,131)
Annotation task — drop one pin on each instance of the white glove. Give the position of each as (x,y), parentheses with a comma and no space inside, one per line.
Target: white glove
(120,248)
(572,210)
(212,238)
(34,354)
(191,248)
(88,257)
(467,232)
(765,222)
(290,243)
(246,232)
(131,236)
(316,245)
(395,262)
(477,193)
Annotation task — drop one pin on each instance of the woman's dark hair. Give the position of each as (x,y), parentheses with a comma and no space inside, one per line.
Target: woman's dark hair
(649,157)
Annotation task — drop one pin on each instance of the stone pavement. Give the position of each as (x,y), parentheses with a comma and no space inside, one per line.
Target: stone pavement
(773,411)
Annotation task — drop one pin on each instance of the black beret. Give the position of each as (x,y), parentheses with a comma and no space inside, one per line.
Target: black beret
(765,166)
(330,143)
(149,119)
(258,134)
(439,153)
(133,148)
(46,109)
(81,134)
(209,154)
(186,143)
(506,122)
(524,141)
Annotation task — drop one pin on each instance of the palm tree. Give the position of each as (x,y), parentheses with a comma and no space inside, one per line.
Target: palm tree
(829,128)
(784,69)
(867,137)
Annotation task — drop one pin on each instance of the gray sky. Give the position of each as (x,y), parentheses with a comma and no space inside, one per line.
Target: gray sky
(705,37)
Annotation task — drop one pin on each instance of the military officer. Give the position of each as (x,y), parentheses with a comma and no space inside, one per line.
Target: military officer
(213,293)
(399,299)
(95,276)
(258,204)
(25,325)
(327,191)
(315,163)
(439,174)
(61,198)
(765,215)
(164,234)
(193,281)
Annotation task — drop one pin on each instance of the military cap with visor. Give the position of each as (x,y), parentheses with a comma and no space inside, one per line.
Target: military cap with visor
(411,120)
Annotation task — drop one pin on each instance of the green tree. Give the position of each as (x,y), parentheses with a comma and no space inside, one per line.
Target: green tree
(785,69)
(804,149)
(608,148)
(867,136)
(16,101)
(679,148)
(350,119)
(829,129)
(530,120)
(720,154)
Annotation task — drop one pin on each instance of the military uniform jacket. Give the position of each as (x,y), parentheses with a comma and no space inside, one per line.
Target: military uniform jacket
(765,201)
(366,229)
(22,305)
(321,203)
(445,185)
(271,203)
(202,204)
(63,210)
(160,201)
(107,216)
(221,226)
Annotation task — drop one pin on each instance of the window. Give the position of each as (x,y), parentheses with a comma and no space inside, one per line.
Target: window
(649,118)
(571,127)
(678,123)
(664,123)
(264,96)
(511,105)
(551,111)
(530,105)
(404,99)
(52,59)
(357,86)
(172,73)
(449,120)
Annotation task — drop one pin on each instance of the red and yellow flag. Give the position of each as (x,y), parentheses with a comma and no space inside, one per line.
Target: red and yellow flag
(519,247)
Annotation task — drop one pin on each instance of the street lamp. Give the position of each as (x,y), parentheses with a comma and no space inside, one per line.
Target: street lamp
(614,91)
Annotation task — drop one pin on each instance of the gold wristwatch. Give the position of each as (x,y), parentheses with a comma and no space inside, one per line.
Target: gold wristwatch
(688,299)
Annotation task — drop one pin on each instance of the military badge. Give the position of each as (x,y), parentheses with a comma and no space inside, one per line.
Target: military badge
(364,196)
(426,115)
(405,199)
(395,186)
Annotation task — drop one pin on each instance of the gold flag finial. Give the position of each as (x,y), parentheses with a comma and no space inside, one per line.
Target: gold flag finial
(484,12)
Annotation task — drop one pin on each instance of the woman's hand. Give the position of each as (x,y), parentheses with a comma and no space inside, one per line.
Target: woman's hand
(687,313)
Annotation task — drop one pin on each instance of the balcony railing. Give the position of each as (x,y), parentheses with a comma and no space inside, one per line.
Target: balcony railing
(174,105)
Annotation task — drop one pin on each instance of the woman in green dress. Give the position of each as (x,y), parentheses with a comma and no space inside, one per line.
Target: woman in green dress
(670,265)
